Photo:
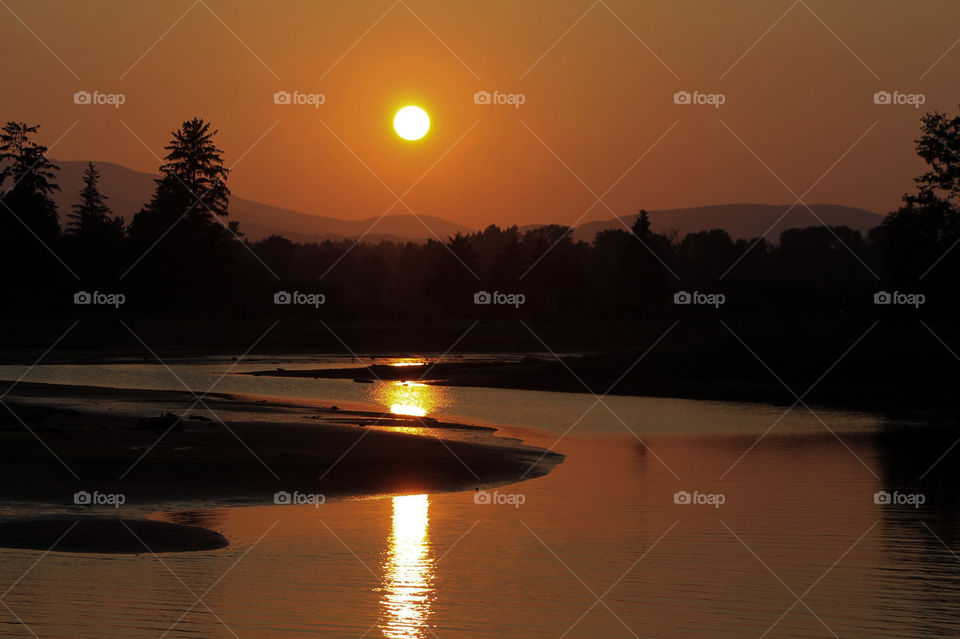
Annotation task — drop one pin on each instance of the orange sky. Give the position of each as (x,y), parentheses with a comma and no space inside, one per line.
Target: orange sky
(799,98)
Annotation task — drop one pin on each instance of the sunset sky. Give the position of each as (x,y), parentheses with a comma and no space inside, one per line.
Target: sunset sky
(598,82)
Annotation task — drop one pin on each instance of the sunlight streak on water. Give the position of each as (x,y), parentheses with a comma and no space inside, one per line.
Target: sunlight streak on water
(548,411)
(410,398)
(407,409)
(408,571)
(796,507)
(403,363)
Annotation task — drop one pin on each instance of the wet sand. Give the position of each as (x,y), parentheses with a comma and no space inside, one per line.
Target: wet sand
(149,447)
(51,449)
(106,535)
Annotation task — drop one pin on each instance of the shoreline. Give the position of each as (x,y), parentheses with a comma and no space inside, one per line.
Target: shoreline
(123,447)
(550,375)
(261,448)
(106,535)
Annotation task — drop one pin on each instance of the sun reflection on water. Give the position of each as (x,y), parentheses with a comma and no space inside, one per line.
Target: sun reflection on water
(408,571)
(408,362)
(414,399)
(407,409)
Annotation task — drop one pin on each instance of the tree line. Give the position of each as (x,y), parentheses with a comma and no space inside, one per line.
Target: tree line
(181,255)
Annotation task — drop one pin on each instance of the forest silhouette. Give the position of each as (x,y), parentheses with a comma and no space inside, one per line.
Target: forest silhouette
(185,269)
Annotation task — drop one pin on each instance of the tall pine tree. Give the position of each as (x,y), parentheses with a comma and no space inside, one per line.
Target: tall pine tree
(91,216)
(27,183)
(94,237)
(180,240)
(192,187)
(29,225)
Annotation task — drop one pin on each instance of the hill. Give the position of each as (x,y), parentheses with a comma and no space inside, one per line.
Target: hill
(128,190)
(742,221)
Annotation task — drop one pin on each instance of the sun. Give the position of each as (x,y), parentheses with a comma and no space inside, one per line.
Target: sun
(411,123)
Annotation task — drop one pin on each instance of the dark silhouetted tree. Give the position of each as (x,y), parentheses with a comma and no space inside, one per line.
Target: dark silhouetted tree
(647,261)
(28,181)
(188,245)
(453,281)
(705,255)
(29,227)
(192,185)
(641,225)
(913,239)
(917,240)
(95,238)
(91,216)
(938,146)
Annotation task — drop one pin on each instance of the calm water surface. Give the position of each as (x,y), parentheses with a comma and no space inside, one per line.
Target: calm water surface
(598,548)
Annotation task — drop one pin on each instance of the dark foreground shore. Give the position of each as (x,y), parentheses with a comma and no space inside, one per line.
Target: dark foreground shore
(106,535)
(47,453)
(233,449)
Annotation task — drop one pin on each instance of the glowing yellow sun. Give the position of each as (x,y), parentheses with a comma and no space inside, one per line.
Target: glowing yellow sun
(411,123)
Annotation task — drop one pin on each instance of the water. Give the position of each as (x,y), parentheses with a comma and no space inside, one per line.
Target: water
(598,548)
(544,411)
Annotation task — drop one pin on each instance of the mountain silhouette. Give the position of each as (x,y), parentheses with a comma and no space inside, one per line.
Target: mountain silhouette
(741,221)
(128,190)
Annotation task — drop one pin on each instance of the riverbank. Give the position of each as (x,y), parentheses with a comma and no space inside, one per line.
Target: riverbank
(622,374)
(59,440)
(888,360)
(106,535)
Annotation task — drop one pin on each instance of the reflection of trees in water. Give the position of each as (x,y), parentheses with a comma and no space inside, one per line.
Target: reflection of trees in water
(924,458)
(920,545)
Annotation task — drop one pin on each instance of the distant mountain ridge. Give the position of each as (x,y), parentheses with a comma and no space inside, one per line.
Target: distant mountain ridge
(128,190)
(741,221)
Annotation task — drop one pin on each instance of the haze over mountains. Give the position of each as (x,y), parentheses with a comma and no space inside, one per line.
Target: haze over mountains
(128,190)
